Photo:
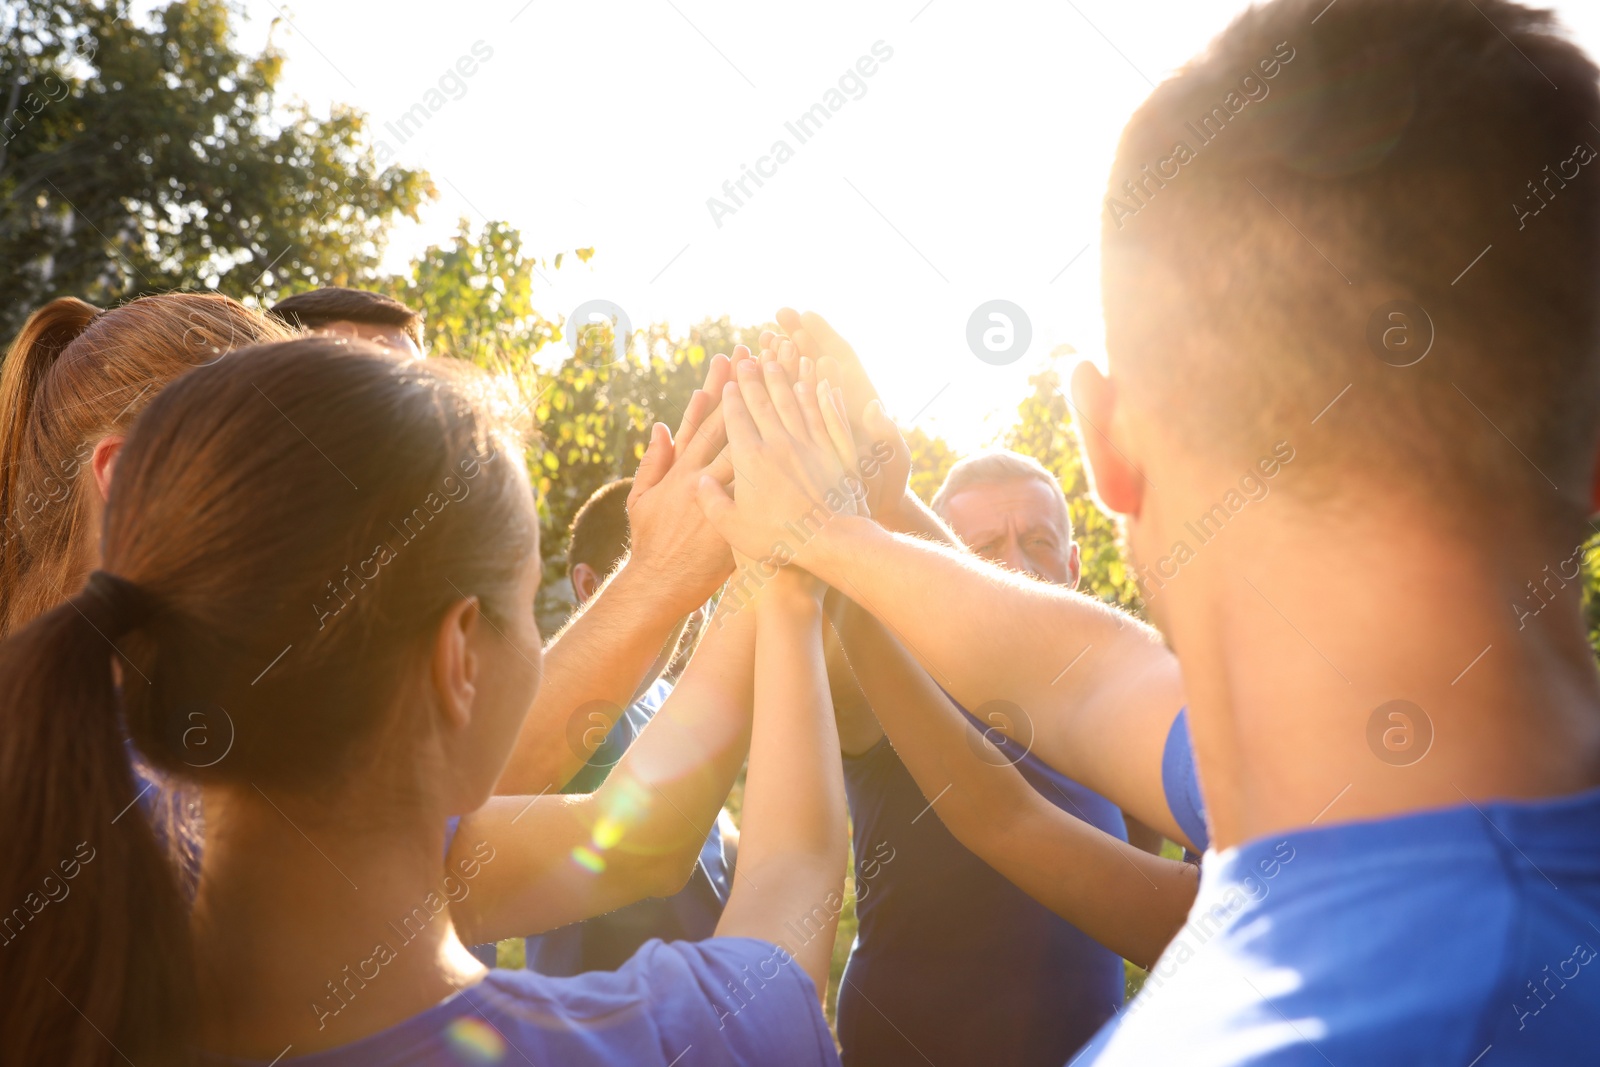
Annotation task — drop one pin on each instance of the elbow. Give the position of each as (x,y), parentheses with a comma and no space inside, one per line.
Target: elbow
(667,875)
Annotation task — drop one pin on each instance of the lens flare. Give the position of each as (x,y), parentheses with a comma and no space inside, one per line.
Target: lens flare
(476,1041)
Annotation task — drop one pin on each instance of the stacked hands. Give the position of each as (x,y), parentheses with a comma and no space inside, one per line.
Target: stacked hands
(768,450)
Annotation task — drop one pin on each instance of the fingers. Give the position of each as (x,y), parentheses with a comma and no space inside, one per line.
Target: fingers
(721,468)
(784,401)
(655,463)
(808,372)
(758,401)
(831,401)
(806,395)
(708,440)
(702,434)
(880,427)
(742,430)
(816,329)
(717,505)
(700,405)
(789,358)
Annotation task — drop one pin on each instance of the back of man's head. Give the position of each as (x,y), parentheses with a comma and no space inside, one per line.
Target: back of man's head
(334,306)
(1329,189)
(599,537)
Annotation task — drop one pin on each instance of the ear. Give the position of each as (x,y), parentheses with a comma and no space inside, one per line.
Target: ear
(455,665)
(1117,481)
(1074,565)
(585,580)
(103,460)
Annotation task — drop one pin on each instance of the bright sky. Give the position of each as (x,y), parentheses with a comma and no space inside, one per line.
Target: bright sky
(971,167)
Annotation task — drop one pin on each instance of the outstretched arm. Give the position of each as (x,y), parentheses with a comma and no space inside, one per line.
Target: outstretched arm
(789,888)
(559,859)
(600,661)
(792,848)
(1100,688)
(1128,900)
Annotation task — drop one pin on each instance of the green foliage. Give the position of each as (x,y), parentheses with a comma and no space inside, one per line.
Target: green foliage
(476,297)
(931,460)
(592,412)
(1044,431)
(142,156)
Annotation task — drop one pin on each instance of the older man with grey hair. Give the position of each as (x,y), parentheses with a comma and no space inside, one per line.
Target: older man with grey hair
(1008,508)
(950,955)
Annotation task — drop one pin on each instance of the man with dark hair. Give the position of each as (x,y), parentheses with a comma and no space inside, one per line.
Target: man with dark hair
(354,313)
(597,545)
(1350,253)
(598,538)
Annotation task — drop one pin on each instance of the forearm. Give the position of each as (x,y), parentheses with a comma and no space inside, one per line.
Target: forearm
(911,516)
(664,795)
(592,671)
(1128,900)
(975,798)
(1111,891)
(1099,689)
(792,851)
(565,858)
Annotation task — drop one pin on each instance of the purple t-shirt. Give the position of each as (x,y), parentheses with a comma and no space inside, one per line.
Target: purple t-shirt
(729,1001)
(952,963)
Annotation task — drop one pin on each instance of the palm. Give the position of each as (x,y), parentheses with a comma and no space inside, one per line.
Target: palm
(837,362)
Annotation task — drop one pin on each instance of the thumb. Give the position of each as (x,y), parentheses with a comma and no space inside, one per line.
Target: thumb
(657,460)
(880,427)
(718,506)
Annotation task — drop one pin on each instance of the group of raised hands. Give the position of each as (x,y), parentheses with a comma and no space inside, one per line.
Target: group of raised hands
(783,465)
(769,438)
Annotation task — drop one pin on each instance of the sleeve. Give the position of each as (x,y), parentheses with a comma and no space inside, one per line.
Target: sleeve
(736,1001)
(1181,785)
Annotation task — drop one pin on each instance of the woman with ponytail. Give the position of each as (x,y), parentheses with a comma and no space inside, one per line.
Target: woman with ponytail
(324,925)
(71,387)
(72,383)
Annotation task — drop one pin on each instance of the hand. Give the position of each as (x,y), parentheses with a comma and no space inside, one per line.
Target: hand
(885,458)
(793,458)
(675,550)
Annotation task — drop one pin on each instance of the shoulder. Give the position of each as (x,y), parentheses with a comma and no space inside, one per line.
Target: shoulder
(1413,940)
(746,999)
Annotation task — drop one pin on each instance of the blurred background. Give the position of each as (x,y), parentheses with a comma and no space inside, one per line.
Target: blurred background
(692,164)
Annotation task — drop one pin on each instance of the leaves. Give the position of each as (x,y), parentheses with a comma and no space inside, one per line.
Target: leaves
(156,156)
(1043,430)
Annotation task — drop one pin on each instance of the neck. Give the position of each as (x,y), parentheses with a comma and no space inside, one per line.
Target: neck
(1291,666)
(315,927)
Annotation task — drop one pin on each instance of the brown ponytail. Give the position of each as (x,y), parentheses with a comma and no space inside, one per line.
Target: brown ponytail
(290,524)
(72,376)
(95,926)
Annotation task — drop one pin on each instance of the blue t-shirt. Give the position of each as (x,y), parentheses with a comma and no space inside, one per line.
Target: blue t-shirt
(728,1001)
(605,942)
(1182,784)
(952,963)
(1462,937)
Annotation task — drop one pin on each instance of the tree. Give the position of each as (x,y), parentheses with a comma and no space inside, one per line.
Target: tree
(931,459)
(592,411)
(1043,430)
(153,155)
